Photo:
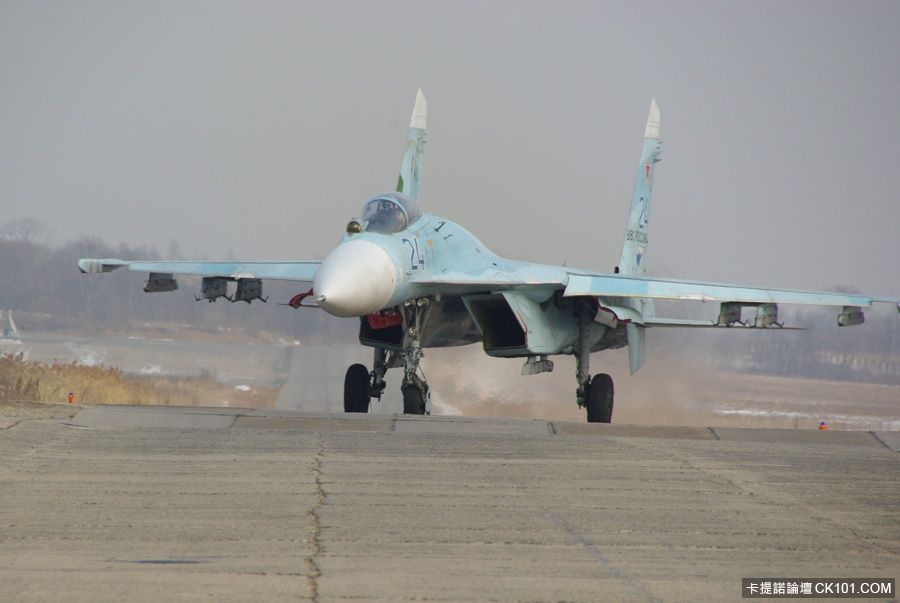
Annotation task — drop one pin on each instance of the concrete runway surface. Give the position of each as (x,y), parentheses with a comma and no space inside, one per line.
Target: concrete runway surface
(164,504)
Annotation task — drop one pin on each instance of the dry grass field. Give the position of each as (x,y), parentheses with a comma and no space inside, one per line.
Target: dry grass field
(21,379)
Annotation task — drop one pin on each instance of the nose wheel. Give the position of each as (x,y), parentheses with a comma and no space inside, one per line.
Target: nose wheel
(356,389)
(414,396)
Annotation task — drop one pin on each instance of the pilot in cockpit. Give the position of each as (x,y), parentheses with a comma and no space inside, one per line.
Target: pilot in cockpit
(386,217)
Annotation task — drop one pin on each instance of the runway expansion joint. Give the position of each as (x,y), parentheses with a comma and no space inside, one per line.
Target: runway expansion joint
(315,528)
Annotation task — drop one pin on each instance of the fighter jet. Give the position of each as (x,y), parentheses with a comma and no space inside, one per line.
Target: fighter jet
(415,280)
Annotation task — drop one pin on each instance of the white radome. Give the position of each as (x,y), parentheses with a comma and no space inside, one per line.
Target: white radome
(355,279)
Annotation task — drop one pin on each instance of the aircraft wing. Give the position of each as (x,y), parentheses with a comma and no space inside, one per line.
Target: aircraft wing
(582,283)
(615,285)
(286,271)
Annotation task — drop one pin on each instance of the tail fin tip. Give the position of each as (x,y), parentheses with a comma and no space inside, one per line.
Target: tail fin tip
(420,112)
(653,122)
(411,166)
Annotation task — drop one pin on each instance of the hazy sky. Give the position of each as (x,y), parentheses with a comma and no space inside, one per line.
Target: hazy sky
(257,129)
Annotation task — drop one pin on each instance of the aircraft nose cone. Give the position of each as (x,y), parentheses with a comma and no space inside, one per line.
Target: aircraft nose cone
(357,278)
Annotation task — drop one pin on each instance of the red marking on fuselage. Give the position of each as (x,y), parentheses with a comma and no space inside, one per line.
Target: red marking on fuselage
(378,320)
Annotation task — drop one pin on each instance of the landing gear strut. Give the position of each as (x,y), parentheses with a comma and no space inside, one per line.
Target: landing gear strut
(360,385)
(414,387)
(596,394)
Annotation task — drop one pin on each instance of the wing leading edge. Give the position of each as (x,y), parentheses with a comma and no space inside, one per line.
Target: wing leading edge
(614,285)
(286,271)
(584,284)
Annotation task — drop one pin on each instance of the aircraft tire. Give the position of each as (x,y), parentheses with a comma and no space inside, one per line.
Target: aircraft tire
(599,400)
(413,400)
(356,389)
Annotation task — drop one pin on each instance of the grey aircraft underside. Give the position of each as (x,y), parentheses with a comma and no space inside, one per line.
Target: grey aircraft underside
(415,280)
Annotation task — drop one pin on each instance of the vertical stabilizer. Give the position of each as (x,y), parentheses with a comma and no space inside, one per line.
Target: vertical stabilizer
(634,250)
(411,168)
(633,259)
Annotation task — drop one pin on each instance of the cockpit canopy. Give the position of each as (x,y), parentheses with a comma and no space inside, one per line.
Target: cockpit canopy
(390,213)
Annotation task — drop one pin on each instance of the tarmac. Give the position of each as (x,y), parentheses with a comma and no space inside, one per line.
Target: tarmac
(177,503)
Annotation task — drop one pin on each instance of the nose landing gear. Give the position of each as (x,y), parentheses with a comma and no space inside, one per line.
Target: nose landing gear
(360,385)
(414,387)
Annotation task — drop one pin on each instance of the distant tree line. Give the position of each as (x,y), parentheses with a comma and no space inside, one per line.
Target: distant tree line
(869,352)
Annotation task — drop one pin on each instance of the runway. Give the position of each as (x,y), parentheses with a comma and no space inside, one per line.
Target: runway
(165,503)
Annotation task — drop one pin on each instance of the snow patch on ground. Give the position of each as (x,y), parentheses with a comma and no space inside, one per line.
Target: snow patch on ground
(859,421)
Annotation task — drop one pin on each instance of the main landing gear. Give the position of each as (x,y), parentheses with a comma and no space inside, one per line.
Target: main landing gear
(599,400)
(595,394)
(360,385)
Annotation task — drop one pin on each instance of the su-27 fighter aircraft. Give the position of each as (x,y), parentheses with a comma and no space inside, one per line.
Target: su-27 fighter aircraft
(415,280)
